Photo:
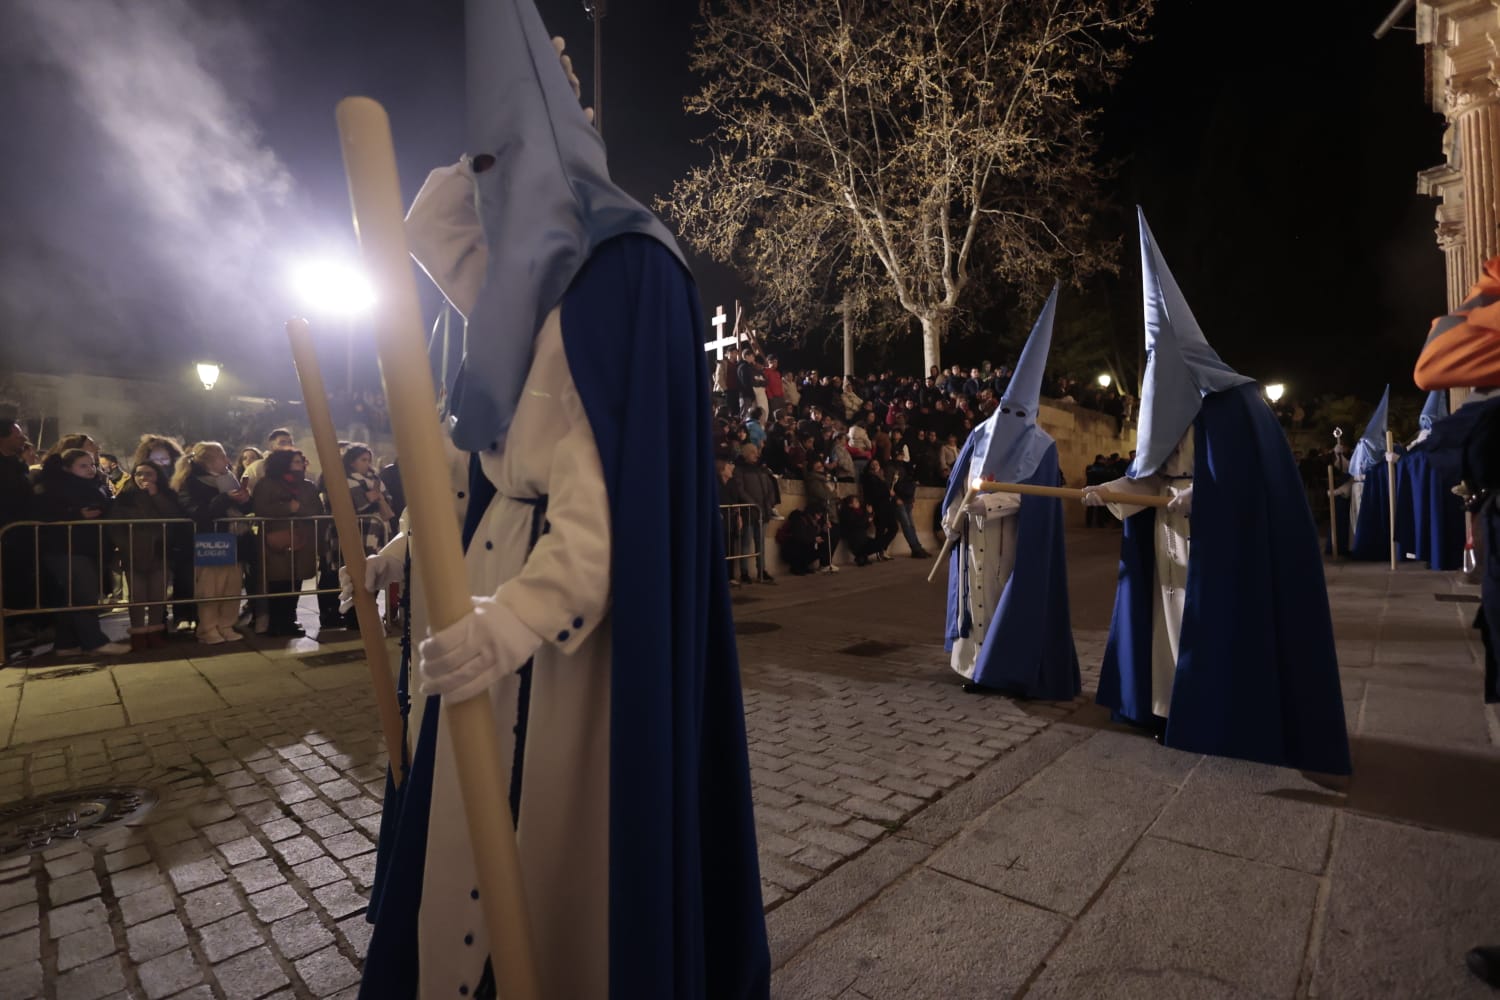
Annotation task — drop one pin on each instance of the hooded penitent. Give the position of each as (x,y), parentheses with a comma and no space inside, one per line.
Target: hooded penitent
(1256,676)
(562,248)
(1027,645)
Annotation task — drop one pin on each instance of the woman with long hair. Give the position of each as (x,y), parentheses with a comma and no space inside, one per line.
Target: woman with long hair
(146,496)
(210,492)
(286,499)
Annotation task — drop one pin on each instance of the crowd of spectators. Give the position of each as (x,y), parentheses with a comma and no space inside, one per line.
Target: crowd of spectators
(128,532)
(885,432)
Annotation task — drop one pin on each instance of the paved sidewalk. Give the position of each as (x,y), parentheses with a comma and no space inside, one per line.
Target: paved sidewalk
(915,841)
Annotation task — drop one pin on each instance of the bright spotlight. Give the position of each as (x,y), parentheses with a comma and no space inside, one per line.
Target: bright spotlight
(1275,391)
(332,287)
(208,374)
(1104,380)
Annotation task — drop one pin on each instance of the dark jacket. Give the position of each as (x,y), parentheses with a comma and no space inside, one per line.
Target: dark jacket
(16,494)
(62,496)
(290,541)
(143,546)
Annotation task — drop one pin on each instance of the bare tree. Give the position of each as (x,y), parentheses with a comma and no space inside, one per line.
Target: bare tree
(896,150)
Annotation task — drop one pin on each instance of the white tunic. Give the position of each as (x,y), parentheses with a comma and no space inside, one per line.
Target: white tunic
(560,593)
(991,539)
(1172,541)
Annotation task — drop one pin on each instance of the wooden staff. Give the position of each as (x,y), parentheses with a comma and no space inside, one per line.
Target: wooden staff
(948,542)
(1061,492)
(1065,493)
(1333,517)
(1390,478)
(351,540)
(375,193)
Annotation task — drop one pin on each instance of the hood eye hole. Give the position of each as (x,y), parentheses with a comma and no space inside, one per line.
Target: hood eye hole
(1004,409)
(483,162)
(1020,413)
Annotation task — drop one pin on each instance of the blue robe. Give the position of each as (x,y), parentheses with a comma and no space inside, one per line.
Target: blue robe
(1028,649)
(1436,516)
(685,914)
(1372,532)
(1257,675)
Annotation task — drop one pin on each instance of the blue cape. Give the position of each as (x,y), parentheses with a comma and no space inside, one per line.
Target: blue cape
(1372,532)
(1028,650)
(1434,520)
(1257,676)
(685,916)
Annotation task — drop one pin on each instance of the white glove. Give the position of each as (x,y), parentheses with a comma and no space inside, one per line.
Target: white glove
(1392,457)
(385,568)
(1150,486)
(1181,502)
(482,647)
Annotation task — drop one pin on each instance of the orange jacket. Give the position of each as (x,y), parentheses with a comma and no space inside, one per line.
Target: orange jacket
(1463,348)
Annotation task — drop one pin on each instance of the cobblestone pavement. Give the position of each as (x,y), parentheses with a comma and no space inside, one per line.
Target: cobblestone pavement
(250,875)
(882,793)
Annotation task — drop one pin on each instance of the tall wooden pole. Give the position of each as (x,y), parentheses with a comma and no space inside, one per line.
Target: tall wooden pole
(1333,517)
(1390,478)
(351,540)
(375,192)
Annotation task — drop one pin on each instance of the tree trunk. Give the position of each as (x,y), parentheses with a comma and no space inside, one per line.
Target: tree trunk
(933,328)
(848,339)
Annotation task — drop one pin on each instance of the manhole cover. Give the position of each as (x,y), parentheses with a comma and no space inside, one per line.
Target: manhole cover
(872,647)
(332,659)
(1458,598)
(756,628)
(36,824)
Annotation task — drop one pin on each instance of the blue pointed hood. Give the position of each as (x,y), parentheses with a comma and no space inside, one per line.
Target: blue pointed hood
(1435,409)
(1008,444)
(1181,367)
(1369,451)
(545,204)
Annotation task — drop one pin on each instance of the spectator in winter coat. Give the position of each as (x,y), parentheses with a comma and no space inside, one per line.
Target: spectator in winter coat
(147,496)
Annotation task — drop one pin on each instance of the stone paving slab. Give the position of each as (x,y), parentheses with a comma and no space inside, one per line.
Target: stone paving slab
(1405,906)
(1179,922)
(1053,842)
(929,936)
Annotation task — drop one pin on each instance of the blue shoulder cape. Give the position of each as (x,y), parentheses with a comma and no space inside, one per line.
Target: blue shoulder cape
(1028,649)
(1436,516)
(1257,675)
(685,913)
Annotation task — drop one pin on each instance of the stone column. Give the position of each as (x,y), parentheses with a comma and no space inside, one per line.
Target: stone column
(1475,110)
(1450,239)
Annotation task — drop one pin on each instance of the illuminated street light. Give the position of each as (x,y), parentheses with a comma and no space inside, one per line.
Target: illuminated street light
(1104,380)
(208,374)
(1275,391)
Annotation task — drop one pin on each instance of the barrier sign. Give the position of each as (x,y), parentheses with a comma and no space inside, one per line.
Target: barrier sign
(214,549)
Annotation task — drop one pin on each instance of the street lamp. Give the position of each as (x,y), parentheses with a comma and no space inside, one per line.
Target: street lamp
(1275,391)
(596,9)
(208,374)
(335,288)
(1104,380)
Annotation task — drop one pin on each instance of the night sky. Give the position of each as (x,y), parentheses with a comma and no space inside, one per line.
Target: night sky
(165,162)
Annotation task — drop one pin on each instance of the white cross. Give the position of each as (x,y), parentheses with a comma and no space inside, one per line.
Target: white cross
(722,341)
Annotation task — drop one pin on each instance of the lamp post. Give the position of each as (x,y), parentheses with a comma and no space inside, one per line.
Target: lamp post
(596,9)
(1275,391)
(335,288)
(1104,380)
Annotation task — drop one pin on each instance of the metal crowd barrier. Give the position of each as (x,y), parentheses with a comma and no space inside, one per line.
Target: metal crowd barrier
(743,525)
(13,545)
